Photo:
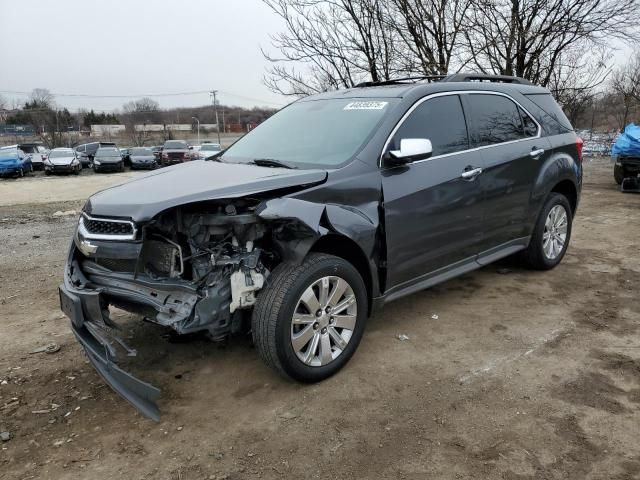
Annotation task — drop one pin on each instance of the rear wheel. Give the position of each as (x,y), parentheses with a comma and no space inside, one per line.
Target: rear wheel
(618,174)
(309,319)
(551,234)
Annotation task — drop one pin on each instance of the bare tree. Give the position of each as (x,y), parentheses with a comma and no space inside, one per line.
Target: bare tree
(529,38)
(330,44)
(577,75)
(625,82)
(41,98)
(137,112)
(431,30)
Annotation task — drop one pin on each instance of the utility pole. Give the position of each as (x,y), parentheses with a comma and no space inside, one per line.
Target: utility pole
(213,94)
(196,119)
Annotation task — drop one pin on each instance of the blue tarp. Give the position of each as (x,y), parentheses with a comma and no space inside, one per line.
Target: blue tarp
(627,144)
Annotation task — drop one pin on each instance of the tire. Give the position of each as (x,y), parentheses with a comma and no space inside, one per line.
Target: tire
(536,256)
(618,174)
(272,320)
(121,167)
(21,172)
(47,173)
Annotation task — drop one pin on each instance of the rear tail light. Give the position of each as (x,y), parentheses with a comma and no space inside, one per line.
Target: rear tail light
(579,144)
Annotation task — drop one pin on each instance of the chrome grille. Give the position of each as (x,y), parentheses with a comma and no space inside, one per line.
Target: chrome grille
(106,228)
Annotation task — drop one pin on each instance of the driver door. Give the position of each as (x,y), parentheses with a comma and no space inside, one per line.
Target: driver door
(433,215)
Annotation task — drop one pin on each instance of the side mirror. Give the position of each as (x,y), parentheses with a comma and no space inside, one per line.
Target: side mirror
(411,150)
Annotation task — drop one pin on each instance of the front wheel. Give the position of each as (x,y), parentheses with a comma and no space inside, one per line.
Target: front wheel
(551,234)
(309,319)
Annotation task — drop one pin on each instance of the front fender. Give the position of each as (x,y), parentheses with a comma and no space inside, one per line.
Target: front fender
(298,224)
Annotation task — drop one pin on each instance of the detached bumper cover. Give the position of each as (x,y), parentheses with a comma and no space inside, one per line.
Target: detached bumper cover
(141,395)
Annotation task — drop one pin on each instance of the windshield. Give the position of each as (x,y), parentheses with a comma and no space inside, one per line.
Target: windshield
(171,144)
(28,149)
(108,152)
(8,153)
(60,153)
(141,151)
(314,134)
(211,147)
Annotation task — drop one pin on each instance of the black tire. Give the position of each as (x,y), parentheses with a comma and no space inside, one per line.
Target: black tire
(21,172)
(618,174)
(121,166)
(274,309)
(534,255)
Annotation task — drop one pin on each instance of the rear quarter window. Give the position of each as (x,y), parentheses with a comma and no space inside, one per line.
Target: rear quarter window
(555,120)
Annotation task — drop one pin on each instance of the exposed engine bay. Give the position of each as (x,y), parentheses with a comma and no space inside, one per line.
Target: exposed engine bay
(192,268)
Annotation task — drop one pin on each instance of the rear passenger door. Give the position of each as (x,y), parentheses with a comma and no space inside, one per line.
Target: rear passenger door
(513,152)
(432,213)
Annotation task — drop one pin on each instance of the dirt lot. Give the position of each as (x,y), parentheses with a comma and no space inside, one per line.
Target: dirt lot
(507,373)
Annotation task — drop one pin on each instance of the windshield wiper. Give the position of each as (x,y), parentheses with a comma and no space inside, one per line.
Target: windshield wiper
(270,162)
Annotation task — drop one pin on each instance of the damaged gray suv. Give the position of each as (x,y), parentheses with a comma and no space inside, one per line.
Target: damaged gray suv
(335,206)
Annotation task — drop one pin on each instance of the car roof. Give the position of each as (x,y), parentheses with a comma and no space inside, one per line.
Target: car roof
(400,90)
(60,149)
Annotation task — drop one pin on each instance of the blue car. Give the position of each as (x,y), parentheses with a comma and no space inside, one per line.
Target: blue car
(14,161)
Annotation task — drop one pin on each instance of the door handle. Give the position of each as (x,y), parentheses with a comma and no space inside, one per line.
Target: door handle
(471,174)
(536,152)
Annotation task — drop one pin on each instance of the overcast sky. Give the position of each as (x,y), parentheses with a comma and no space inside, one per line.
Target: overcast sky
(136,47)
(131,47)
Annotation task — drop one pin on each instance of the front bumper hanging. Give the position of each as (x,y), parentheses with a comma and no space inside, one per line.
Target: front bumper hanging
(101,353)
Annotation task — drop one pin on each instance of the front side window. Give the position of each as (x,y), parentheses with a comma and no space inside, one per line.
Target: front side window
(495,119)
(440,120)
(323,133)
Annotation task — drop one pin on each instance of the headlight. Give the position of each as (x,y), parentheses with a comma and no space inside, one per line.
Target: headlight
(96,162)
(74,161)
(48,162)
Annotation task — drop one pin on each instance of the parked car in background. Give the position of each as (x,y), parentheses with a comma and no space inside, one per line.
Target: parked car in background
(157,153)
(208,150)
(175,151)
(108,159)
(142,157)
(88,151)
(37,151)
(13,161)
(62,160)
(335,206)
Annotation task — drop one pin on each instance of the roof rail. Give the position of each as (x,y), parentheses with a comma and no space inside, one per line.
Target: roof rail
(399,81)
(483,77)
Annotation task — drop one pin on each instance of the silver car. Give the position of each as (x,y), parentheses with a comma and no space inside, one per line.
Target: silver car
(62,160)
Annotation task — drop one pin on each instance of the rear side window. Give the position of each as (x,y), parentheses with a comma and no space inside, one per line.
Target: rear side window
(441,120)
(549,106)
(495,119)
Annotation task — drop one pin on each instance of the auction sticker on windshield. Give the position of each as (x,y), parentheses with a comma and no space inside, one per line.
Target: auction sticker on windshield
(365,106)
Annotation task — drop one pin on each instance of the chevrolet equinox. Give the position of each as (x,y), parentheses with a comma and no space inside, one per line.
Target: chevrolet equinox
(335,206)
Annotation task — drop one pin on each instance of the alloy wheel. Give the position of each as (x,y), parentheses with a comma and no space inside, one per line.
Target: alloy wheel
(555,232)
(323,321)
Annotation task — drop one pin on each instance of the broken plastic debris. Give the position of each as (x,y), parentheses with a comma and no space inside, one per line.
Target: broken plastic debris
(435,316)
(49,348)
(402,337)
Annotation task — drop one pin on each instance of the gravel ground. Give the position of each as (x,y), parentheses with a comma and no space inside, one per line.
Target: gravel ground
(506,373)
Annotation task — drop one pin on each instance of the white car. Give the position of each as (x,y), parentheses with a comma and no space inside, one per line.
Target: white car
(37,151)
(63,160)
(208,149)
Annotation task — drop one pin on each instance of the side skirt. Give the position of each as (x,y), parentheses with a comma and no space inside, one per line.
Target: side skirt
(451,271)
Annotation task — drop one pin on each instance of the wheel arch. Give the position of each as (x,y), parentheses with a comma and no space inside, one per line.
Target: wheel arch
(345,248)
(567,188)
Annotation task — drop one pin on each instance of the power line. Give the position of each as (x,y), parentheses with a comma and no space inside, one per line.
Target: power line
(173,94)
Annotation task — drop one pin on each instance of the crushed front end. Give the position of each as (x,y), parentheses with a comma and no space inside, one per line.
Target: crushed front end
(193,268)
